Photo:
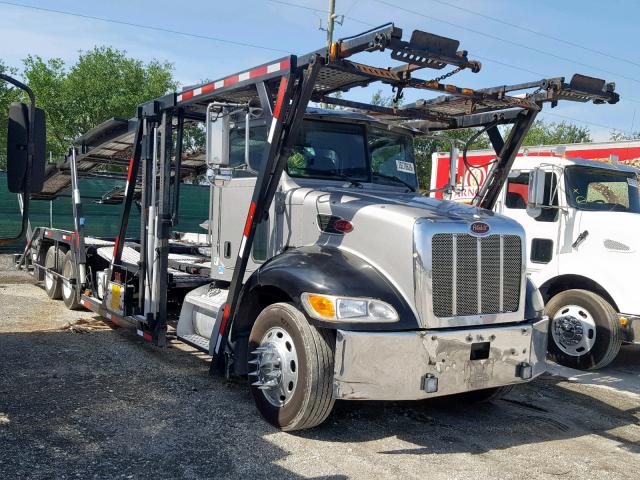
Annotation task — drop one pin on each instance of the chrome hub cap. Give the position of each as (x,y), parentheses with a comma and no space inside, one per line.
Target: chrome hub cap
(574,330)
(276,365)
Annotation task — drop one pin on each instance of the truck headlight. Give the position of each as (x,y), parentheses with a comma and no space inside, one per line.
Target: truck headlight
(333,308)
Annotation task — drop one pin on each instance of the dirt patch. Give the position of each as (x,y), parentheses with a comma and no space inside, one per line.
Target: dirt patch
(105,404)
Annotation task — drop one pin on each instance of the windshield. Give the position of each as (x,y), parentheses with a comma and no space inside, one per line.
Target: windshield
(590,188)
(338,151)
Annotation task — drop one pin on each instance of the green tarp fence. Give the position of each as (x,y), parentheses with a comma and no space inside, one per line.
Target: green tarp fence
(100,220)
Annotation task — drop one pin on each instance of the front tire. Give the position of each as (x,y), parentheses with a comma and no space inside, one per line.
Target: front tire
(584,331)
(292,377)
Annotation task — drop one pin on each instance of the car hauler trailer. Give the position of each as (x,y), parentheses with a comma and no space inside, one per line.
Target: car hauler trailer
(582,228)
(330,277)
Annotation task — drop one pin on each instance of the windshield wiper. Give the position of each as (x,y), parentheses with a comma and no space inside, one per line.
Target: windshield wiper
(399,180)
(332,176)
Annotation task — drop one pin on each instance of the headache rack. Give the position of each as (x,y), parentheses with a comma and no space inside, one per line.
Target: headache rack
(151,149)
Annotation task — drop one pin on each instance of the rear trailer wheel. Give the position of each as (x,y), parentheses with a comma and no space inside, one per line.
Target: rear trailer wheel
(69,287)
(291,368)
(584,331)
(38,256)
(54,261)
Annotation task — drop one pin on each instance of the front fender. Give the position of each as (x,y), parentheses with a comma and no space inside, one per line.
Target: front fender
(331,271)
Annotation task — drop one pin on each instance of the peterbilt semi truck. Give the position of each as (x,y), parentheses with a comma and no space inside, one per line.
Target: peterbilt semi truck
(326,275)
(579,206)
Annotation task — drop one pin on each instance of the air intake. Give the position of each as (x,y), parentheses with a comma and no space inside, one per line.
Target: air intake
(617,246)
(476,275)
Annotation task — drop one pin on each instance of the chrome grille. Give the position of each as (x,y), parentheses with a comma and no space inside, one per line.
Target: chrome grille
(475,275)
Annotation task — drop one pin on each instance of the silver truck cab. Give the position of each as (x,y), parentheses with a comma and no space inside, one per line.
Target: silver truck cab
(425,298)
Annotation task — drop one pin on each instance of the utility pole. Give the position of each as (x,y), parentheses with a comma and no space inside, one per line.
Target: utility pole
(330,22)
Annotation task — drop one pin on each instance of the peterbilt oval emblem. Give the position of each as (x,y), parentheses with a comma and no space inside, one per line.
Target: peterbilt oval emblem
(479,228)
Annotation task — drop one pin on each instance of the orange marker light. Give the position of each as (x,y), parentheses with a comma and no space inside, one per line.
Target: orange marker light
(323,306)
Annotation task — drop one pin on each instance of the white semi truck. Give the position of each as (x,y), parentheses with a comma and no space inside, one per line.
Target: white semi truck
(582,220)
(327,275)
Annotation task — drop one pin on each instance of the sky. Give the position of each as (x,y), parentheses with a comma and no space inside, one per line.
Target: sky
(516,40)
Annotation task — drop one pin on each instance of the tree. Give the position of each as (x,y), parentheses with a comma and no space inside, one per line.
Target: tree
(552,133)
(619,136)
(424,146)
(381,100)
(8,94)
(541,133)
(103,83)
(330,106)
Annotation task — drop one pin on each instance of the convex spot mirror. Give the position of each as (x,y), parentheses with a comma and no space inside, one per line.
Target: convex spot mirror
(18,136)
(535,200)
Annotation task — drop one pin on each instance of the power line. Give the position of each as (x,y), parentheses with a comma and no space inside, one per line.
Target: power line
(535,32)
(505,40)
(318,10)
(206,37)
(353,4)
(516,67)
(595,124)
(147,27)
(504,64)
(509,65)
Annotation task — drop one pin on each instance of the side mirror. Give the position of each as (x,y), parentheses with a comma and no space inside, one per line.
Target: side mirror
(217,138)
(18,137)
(535,201)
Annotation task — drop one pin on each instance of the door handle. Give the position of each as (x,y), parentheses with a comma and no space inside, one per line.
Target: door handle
(227,249)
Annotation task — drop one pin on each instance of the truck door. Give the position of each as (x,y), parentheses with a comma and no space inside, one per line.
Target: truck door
(543,231)
(230,204)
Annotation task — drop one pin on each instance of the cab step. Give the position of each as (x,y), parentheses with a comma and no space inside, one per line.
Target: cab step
(196,341)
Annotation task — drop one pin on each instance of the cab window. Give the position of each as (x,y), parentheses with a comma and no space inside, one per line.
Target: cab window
(329,150)
(257,146)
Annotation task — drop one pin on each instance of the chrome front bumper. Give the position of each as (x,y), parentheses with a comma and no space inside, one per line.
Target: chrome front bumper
(403,365)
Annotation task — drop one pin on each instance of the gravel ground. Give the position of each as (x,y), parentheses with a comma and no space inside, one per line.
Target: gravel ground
(80,398)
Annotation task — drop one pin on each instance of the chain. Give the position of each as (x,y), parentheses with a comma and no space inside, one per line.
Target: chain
(535,92)
(447,75)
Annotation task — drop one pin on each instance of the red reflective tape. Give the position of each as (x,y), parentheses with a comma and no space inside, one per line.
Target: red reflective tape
(209,87)
(281,90)
(284,64)
(247,225)
(130,170)
(258,72)
(147,336)
(115,247)
(225,318)
(231,80)
(186,95)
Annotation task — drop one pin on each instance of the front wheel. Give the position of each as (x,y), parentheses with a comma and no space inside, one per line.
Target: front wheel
(584,331)
(292,363)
